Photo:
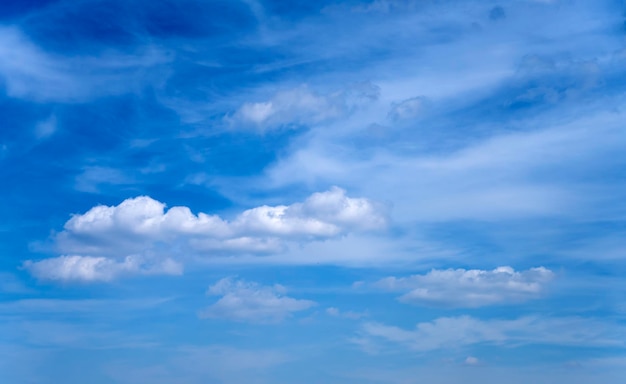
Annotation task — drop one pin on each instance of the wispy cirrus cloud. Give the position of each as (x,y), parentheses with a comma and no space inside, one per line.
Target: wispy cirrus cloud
(31,73)
(87,269)
(297,107)
(469,288)
(463,331)
(497,178)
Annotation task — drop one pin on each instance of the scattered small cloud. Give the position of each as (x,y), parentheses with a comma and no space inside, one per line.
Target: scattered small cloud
(469,288)
(297,107)
(250,302)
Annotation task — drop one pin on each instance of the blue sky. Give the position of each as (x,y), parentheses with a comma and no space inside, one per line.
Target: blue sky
(387,191)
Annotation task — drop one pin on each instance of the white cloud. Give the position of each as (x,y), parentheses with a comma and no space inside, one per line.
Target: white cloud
(93,177)
(139,222)
(301,106)
(248,301)
(458,332)
(501,177)
(324,214)
(469,288)
(91,269)
(297,106)
(31,73)
(136,235)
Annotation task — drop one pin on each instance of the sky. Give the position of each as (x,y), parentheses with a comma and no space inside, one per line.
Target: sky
(262,191)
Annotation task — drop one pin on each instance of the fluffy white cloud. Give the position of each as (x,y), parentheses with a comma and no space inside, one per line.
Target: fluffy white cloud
(469,288)
(457,332)
(301,106)
(248,301)
(141,222)
(136,235)
(89,269)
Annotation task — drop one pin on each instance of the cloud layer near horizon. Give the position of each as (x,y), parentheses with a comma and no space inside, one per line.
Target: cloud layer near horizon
(462,331)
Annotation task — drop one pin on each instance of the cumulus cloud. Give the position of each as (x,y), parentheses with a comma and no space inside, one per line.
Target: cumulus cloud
(469,288)
(91,269)
(300,106)
(143,226)
(248,301)
(457,332)
(140,221)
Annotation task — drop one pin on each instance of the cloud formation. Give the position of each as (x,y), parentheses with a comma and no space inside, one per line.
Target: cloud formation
(92,269)
(322,215)
(458,332)
(495,130)
(140,231)
(469,288)
(250,302)
(32,73)
(301,107)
